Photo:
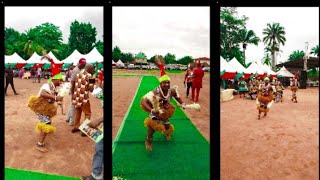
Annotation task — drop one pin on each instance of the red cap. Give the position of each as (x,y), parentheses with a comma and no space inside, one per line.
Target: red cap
(82,61)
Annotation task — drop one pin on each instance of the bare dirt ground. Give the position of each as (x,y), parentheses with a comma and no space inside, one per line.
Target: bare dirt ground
(282,145)
(124,88)
(69,154)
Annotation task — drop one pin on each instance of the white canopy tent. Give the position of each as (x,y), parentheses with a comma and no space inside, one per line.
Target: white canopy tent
(14,58)
(74,57)
(284,72)
(226,70)
(239,68)
(254,68)
(36,59)
(225,66)
(235,63)
(93,56)
(120,63)
(269,70)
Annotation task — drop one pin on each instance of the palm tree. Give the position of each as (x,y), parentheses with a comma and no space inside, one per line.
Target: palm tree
(315,50)
(31,45)
(296,55)
(274,36)
(266,59)
(247,37)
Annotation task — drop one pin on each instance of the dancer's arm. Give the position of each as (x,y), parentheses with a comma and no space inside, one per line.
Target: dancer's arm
(183,105)
(46,95)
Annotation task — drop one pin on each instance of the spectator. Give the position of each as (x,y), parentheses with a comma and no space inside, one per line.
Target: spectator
(9,80)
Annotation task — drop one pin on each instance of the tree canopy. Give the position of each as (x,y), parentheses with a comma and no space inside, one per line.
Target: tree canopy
(47,37)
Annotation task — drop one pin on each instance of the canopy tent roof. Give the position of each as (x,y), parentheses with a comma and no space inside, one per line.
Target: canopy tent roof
(225,66)
(226,70)
(55,60)
(93,56)
(239,68)
(284,72)
(120,63)
(36,59)
(312,62)
(254,68)
(14,58)
(113,62)
(266,69)
(74,57)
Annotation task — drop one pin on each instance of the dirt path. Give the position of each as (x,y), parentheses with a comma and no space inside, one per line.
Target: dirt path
(283,145)
(69,154)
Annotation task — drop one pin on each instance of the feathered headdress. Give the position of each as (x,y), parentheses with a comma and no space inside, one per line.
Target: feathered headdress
(160,62)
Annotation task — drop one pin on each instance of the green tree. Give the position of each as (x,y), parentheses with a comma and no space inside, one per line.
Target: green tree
(49,36)
(247,37)
(266,59)
(274,36)
(315,50)
(99,46)
(247,65)
(230,25)
(296,55)
(127,57)
(63,51)
(185,60)
(82,37)
(12,37)
(170,59)
(152,59)
(31,43)
(116,53)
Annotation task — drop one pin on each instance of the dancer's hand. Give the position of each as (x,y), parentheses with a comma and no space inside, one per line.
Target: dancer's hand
(154,112)
(183,105)
(59,98)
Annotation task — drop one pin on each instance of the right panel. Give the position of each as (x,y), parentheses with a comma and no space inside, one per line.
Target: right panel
(269,93)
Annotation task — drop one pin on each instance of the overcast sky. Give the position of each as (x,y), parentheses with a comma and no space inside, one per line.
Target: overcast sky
(301,25)
(160,30)
(24,18)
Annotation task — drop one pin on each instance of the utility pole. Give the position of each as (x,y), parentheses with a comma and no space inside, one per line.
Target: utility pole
(305,57)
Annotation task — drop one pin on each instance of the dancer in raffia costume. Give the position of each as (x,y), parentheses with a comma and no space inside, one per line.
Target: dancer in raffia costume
(279,90)
(157,104)
(294,86)
(44,106)
(265,97)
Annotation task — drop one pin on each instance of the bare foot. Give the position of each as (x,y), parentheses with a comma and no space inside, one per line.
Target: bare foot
(148,144)
(42,149)
(168,137)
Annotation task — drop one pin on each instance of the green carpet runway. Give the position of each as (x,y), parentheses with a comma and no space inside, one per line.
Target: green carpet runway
(19,174)
(186,156)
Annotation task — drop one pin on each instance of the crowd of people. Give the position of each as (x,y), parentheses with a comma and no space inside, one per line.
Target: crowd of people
(264,91)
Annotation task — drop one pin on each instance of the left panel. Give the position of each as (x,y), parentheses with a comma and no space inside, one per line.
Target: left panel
(53,86)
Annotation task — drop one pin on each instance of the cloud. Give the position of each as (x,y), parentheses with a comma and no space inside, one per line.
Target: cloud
(160,30)
(23,18)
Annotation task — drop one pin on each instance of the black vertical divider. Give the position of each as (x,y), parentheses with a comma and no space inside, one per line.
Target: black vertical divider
(215,90)
(2,93)
(108,90)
